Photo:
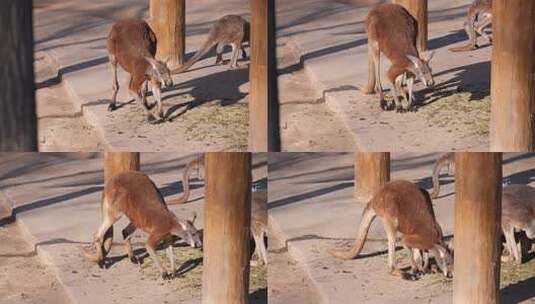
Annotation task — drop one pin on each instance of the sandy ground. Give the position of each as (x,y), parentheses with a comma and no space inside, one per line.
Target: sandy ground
(288,283)
(18,263)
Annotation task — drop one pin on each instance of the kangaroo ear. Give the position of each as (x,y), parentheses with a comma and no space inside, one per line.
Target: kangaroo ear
(415,61)
(152,62)
(427,56)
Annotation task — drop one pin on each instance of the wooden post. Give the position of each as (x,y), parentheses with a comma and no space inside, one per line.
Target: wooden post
(372,171)
(274,140)
(117,162)
(512,82)
(18,125)
(168,20)
(227,219)
(478,190)
(418,9)
(258,77)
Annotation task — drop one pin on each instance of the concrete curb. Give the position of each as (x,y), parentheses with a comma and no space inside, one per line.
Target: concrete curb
(76,100)
(333,103)
(296,254)
(6,205)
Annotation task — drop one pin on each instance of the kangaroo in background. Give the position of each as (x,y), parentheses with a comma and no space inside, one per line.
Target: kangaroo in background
(479,17)
(446,160)
(405,208)
(132,45)
(259,222)
(392,31)
(230,30)
(133,194)
(518,212)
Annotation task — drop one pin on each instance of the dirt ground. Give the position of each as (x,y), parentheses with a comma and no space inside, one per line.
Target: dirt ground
(288,283)
(18,263)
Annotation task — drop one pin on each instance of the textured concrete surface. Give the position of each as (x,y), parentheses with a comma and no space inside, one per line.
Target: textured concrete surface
(312,210)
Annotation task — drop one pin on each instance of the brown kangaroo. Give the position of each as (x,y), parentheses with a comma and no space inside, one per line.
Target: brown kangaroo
(131,228)
(132,45)
(407,209)
(518,212)
(446,160)
(133,194)
(478,18)
(392,31)
(230,30)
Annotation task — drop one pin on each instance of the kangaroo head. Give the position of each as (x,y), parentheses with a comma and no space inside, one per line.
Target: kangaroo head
(420,67)
(445,260)
(160,72)
(189,233)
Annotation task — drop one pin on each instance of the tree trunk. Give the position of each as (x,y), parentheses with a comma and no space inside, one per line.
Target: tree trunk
(227,219)
(478,191)
(168,20)
(418,9)
(372,171)
(512,82)
(258,77)
(18,125)
(117,162)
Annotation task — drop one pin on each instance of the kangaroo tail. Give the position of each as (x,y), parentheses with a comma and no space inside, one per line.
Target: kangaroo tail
(107,239)
(367,218)
(201,52)
(185,181)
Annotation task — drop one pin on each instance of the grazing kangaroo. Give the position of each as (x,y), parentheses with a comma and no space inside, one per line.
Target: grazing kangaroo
(447,159)
(131,228)
(407,209)
(230,30)
(392,31)
(132,45)
(479,17)
(518,212)
(133,194)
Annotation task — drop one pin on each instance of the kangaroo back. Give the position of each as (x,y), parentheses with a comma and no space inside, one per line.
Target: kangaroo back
(394,30)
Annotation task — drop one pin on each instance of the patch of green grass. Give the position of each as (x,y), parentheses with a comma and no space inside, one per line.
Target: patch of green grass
(512,273)
(191,281)
(214,123)
(457,112)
